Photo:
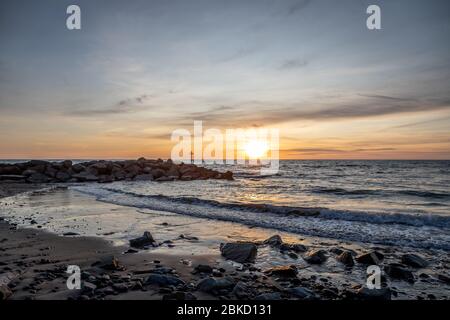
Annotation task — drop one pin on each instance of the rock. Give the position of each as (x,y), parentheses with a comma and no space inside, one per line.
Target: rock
(68,234)
(371,258)
(283,271)
(62,176)
(346,258)
(5,292)
(67,164)
(179,295)
(163,280)
(29,172)
(210,284)
(414,261)
(12,177)
(296,247)
(273,241)
(315,257)
(105,178)
(10,170)
(158,173)
(143,177)
(164,179)
(241,290)
(269,296)
(444,278)
(227,175)
(109,263)
(201,268)
(38,178)
(120,287)
(85,177)
(398,271)
(77,168)
(302,293)
(240,251)
(373,294)
(88,287)
(145,240)
(336,250)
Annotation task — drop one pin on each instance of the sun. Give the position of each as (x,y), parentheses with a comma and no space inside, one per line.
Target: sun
(256,149)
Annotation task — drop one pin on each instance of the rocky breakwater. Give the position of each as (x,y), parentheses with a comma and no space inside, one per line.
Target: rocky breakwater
(39,171)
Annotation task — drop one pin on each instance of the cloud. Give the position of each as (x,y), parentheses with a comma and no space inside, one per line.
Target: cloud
(259,113)
(298,6)
(241,53)
(327,150)
(129,105)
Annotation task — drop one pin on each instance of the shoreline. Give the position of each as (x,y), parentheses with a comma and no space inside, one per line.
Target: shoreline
(36,260)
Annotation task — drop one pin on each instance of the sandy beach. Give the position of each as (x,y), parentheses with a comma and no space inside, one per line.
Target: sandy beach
(185,261)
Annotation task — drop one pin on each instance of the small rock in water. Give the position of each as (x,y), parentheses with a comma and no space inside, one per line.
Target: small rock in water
(283,271)
(240,252)
(346,258)
(370,258)
(413,260)
(145,240)
(273,241)
(315,257)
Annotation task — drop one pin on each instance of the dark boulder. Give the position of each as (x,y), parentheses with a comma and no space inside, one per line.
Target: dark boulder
(215,284)
(38,178)
(315,257)
(302,293)
(346,258)
(414,260)
(202,268)
(283,271)
(273,241)
(163,280)
(371,258)
(399,272)
(239,251)
(145,240)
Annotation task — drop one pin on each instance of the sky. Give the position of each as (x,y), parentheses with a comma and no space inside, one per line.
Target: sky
(138,70)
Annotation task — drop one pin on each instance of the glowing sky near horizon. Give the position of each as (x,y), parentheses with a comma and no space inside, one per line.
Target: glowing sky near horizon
(140,69)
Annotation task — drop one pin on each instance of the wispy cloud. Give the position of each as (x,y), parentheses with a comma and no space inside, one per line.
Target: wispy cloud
(293,64)
(298,6)
(258,113)
(129,105)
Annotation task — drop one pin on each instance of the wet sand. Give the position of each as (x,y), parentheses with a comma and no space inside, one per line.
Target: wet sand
(34,261)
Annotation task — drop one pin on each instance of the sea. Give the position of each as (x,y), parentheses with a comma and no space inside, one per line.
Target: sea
(401,203)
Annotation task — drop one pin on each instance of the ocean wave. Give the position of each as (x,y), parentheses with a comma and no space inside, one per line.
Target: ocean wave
(342,225)
(384,193)
(315,212)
